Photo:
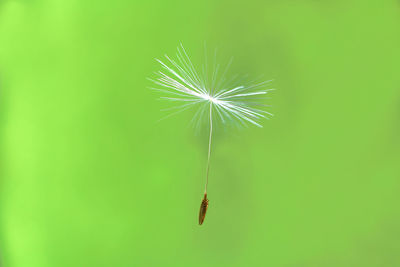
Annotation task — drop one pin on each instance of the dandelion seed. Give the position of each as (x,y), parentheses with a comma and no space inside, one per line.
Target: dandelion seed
(203,209)
(222,98)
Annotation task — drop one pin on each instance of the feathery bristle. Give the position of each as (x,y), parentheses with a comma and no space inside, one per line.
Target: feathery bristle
(182,83)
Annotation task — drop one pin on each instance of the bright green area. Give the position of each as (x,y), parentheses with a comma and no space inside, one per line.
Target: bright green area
(89,178)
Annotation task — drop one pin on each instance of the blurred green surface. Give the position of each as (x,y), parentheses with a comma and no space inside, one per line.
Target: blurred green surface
(89,178)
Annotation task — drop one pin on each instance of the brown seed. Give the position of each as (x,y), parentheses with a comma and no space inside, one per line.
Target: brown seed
(203,209)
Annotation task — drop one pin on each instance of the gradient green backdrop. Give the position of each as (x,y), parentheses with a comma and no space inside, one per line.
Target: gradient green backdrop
(89,178)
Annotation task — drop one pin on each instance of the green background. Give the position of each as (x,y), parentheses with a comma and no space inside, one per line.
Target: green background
(90,178)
